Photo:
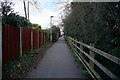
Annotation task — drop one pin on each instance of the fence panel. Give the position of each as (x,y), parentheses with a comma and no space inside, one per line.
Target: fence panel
(38,41)
(5,55)
(11,43)
(42,38)
(35,39)
(26,40)
(39,38)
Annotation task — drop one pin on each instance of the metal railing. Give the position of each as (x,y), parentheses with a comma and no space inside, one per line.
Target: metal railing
(79,52)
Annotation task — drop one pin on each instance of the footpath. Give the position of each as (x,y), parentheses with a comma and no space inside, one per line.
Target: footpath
(57,63)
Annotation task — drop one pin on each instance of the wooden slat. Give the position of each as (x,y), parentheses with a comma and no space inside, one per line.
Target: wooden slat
(104,54)
(85,63)
(91,69)
(105,70)
(82,61)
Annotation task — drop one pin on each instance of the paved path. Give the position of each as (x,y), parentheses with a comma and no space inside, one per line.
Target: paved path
(57,63)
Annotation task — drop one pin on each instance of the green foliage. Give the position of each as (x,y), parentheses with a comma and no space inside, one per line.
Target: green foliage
(15,66)
(8,17)
(96,23)
(16,20)
(6,8)
(55,33)
(47,35)
(38,27)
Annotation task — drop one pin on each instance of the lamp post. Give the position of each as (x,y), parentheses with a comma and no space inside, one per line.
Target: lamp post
(51,27)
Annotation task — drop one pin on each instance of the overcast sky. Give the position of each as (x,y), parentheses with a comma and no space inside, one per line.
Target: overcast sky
(45,9)
(41,14)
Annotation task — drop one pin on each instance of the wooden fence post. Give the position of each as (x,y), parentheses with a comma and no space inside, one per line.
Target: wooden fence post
(0,43)
(73,42)
(44,36)
(81,47)
(38,39)
(91,53)
(20,41)
(31,40)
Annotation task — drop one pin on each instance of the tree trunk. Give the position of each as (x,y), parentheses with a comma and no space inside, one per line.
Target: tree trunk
(28,9)
(25,8)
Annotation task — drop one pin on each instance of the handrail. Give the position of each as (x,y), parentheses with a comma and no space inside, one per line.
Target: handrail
(84,62)
(104,54)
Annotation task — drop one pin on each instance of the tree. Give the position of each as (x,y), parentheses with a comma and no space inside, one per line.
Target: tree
(55,33)
(11,18)
(6,8)
(94,22)
(37,27)
(25,8)
(97,23)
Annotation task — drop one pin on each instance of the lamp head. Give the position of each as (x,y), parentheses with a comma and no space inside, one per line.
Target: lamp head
(51,16)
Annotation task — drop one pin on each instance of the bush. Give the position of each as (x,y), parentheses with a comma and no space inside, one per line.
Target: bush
(55,33)
(16,20)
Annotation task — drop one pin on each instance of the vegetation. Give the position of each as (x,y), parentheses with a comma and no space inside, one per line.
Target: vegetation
(17,65)
(11,18)
(37,27)
(97,23)
(47,35)
(16,20)
(55,33)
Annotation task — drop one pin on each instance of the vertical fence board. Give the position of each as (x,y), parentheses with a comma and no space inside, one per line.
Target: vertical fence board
(31,39)
(42,38)
(14,45)
(39,38)
(26,40)
(5,43)
(11,38)
(35,39)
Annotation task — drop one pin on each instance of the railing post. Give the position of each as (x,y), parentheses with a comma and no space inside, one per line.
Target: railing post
(81,47)
(91,53)
(74,42)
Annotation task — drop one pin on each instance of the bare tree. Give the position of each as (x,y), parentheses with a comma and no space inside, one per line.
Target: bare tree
(25,8)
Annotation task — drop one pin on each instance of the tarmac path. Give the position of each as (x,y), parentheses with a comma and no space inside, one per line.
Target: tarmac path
(57,63)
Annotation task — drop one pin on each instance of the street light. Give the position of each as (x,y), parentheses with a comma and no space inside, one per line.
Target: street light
(51,27)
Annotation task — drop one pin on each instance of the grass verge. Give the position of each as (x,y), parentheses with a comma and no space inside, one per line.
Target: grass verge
(19,67)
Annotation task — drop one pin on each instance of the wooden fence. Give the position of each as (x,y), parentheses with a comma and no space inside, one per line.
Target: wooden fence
(26,40)
(18,41)
(80,53)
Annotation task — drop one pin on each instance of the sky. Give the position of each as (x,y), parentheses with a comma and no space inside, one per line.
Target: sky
(41,14)
(45,9)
